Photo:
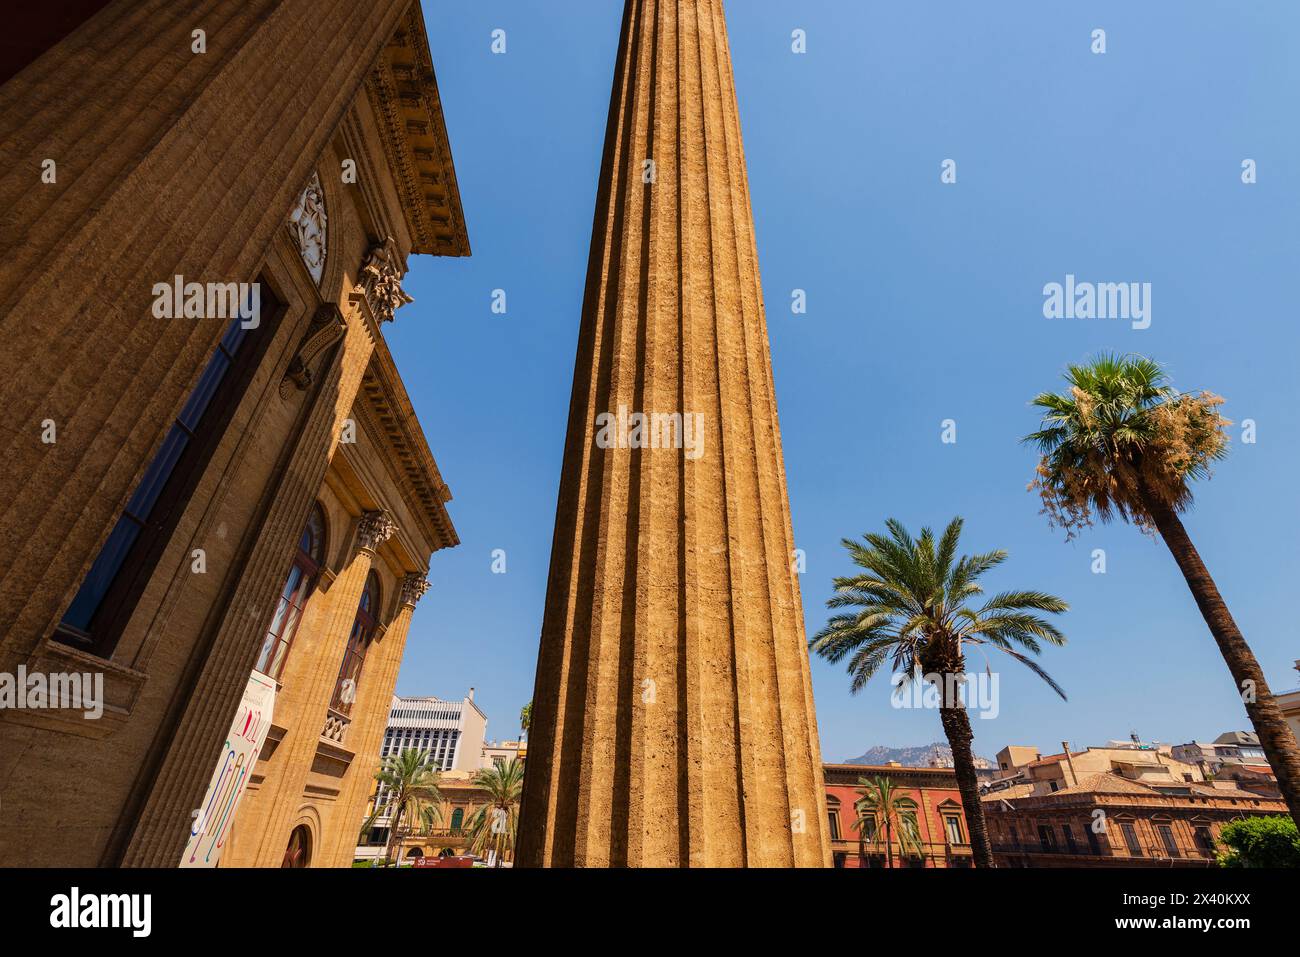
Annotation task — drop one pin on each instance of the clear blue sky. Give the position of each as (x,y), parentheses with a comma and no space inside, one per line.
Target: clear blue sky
(924,303)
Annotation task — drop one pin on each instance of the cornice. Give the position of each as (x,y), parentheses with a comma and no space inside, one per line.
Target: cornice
(403,93)
(390,411)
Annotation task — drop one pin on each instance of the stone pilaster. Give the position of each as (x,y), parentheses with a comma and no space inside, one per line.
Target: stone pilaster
(154,823)
(374,692)
(673,712)
(311,678)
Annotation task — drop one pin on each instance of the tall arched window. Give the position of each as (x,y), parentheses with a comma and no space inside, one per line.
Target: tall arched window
(293,597)
(354,656)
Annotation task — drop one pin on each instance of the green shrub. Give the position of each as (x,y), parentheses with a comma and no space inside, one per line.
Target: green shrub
(1260,842)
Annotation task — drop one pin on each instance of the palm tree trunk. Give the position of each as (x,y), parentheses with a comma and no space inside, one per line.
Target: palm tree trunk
(392,836)
(956,725)
(1275,737)
(889,844)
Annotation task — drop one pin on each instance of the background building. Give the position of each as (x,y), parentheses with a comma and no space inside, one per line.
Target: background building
(1229,748)
(451,731)
(1106,819)
(940,822)
(453,734)
(501,753)
(1027,772)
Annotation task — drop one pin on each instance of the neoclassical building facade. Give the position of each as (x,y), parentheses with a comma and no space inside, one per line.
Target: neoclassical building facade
(217,499)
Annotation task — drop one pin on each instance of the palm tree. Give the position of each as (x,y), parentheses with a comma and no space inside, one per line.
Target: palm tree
(1121,442)
(883,806)
(910,610)
(526,716)
(493,826)
(408,790)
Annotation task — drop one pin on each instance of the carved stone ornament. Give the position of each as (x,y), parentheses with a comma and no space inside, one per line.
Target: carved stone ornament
(413,589)
(307,223)
(327,327)
(380,281)
(375,529)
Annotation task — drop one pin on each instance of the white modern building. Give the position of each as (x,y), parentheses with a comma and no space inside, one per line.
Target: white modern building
(451,731)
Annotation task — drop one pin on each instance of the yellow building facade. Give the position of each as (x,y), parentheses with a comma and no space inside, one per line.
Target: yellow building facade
(202,502)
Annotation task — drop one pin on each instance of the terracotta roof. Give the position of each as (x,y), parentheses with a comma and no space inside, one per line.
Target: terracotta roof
(1106,783)
(1206,790)
(1014,791)
(1050,759)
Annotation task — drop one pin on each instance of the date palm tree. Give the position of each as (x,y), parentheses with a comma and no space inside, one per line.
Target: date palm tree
(526,716)
(408,792)
(910,609)
(494,825)
(883,807)
(1121,442)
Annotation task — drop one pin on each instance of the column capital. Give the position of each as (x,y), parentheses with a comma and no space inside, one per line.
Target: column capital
(413,588)
(375,528)
(380,280)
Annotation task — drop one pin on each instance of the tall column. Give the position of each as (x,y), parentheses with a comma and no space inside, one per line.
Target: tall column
(673,712)
(370,718)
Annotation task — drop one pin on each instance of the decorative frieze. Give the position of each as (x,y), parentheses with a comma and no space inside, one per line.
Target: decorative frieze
(380,280)
(374,529)
(308,224)
(413,589)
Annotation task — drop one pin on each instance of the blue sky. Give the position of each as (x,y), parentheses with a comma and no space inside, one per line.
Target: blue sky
(924,303)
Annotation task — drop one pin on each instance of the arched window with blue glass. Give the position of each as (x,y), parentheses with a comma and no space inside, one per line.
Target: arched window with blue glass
(298,587)
(364,626)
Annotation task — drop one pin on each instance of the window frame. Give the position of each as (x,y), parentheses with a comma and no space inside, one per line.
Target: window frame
(308,566)
(121,597)
(364,627)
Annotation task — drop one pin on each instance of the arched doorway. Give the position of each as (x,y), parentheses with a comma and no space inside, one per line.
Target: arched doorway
(298,853)
(414,852)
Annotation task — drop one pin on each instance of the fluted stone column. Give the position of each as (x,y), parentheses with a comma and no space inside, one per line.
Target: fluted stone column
(673,712)
(365,736)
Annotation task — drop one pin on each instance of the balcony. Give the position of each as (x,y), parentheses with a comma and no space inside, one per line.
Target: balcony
(336,726)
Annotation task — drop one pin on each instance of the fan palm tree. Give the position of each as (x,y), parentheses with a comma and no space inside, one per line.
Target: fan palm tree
(408,791)
(883,807)
(1121,442)
(494,825)
(910,611)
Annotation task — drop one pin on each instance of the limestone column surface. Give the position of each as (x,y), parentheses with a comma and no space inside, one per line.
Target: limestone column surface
(673,720)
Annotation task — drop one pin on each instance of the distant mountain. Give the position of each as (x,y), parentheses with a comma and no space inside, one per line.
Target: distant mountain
(921,756)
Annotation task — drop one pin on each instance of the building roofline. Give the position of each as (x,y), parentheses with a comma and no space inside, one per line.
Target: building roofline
(403,91)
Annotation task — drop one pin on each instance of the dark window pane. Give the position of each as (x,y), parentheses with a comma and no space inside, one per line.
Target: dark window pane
(234,336)
(102,574)
(204,390)
(160,470)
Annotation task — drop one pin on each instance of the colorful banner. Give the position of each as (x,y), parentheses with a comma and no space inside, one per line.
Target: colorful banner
(212,821)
